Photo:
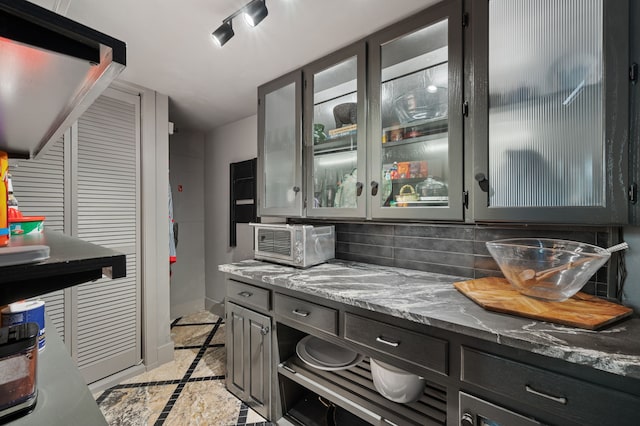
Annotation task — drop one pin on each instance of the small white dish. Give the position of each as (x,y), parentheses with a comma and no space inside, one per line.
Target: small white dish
(396,384)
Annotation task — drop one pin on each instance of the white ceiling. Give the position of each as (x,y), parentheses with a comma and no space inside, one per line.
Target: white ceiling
(169,48)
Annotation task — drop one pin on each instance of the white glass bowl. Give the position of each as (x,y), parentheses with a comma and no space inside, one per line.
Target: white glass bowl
(396,384)
(547,269)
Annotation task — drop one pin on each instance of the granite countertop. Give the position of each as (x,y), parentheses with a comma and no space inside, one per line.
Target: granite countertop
(431,299)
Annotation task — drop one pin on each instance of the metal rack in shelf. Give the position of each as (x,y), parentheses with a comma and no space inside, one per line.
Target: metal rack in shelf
(363,400)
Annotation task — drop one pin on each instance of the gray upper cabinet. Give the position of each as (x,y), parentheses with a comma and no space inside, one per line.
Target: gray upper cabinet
(415,100)
(280,147)
(334,133)
(549,117)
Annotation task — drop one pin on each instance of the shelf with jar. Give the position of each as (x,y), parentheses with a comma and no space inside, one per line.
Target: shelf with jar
(415,132)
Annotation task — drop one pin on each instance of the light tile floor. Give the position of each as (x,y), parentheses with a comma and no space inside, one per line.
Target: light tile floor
(187,391)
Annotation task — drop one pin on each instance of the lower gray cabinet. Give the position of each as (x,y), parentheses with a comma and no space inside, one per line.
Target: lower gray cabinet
(249,357)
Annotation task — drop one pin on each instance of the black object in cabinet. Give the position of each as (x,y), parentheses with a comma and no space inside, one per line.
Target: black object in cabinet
(248,342)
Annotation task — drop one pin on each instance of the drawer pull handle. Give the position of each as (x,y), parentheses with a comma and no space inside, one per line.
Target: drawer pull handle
(300,313)
(560,399)
(245,294)
(380,339)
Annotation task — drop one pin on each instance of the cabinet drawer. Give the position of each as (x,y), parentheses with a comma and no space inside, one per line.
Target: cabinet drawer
(307,313)
(565,396)
(248,294)
(422,350)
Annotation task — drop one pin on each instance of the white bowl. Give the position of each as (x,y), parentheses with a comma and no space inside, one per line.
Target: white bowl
(396,384)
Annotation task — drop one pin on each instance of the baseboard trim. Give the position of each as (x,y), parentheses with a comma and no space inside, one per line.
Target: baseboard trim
(215,307)
(116,378)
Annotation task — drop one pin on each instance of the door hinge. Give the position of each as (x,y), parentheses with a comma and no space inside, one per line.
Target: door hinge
(633,73)
(465,20)
(465,199)
(258,101)
(304,84)
(633,193)
(465,109)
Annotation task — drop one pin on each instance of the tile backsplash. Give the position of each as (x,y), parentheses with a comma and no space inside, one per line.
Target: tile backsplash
(456,249)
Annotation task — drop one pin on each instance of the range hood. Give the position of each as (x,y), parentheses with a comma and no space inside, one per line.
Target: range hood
(51,71)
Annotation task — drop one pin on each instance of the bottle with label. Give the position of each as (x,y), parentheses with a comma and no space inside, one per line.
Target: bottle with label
(12,201)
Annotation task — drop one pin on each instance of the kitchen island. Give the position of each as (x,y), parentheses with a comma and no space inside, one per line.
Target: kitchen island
(473,339)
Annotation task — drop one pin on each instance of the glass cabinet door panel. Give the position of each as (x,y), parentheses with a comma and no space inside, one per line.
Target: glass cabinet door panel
(549,119)
(417,160)
(280,151)
(546,103)
(336,134)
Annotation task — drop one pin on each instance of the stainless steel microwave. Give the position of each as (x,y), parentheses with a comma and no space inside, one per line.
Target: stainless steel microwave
(296,245)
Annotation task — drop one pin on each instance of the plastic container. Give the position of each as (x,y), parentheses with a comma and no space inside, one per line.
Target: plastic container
(18,368)
(24,312)
(26,225)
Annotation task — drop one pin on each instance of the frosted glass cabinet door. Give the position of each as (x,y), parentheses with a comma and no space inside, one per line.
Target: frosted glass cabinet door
(280,147)
(416,113)
(335,134)
(556,112)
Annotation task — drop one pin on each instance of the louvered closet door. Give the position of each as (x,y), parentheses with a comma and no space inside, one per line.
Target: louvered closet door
(107,206)
(39,188)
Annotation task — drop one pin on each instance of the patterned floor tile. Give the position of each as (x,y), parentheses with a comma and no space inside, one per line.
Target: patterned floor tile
(190,335)
(139,406)
(203,400)
(204,403)
(198,318)
(212,363)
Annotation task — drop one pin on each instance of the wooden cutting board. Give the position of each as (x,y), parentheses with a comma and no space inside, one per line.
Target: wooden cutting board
(582,310)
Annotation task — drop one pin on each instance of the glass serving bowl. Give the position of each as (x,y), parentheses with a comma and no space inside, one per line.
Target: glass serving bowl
(547,269)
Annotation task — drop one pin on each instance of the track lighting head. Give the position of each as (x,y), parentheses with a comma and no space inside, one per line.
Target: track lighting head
(223,34)
(255,12)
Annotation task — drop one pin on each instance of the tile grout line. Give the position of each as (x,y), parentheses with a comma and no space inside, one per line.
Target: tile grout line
(185,379)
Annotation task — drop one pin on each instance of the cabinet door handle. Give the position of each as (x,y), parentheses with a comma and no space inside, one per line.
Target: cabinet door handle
(245,294)
(374,188)
(301,313)
(381,339)
(264,331)
(559,399)
(359,187)
(296,189)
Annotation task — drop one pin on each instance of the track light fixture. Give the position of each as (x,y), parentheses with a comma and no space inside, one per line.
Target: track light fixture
(254,12)
(223,34)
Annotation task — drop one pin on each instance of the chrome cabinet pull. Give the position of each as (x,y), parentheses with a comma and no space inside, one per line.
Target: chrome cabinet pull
(560,399)
(300,313)
(245,294)
(264,331)
(380,339)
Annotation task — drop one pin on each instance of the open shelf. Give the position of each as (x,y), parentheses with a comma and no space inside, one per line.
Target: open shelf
(353,390)
(71,261)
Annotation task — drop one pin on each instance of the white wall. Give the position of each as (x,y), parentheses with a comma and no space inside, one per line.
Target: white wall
(227,144)
(186,169)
